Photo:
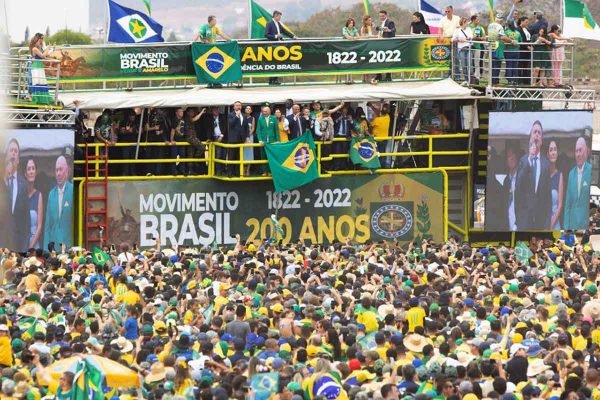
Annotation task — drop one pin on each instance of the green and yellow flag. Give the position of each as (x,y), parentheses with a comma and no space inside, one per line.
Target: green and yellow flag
(217,62)
(491,7)
(147,6)
(258,20)
(579,22)
(99,257)
(293,164)
(363,151)
(522,252)
(88,381)
(552,269)
(367,5)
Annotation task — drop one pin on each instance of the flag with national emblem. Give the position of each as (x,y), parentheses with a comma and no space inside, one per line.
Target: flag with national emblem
(363,151)
(88,381)
(217,63)
(522,252)
(292,163)
(265,385)
(127,25)
(99,257)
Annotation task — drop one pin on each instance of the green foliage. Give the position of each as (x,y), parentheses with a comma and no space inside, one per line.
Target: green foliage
(423,222)
(329,22)
(67,36)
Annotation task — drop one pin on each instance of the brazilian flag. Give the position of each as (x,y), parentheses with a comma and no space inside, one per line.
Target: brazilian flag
(88,381)
(99,257)
(265,385)
(259,17)
(293,164)
(552,269)
(217,62)
(523,253)
(363,151)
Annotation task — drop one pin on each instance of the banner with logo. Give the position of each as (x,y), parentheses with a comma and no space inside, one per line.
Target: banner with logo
(539,171)
(217,63)
(199,212)
(257,59)
(36,193)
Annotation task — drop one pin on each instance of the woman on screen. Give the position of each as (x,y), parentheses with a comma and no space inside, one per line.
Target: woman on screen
(558,187)
(36,205)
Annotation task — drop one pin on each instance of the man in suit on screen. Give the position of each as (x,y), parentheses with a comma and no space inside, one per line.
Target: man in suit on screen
(577,200)
(533,196)
(58,227)
(18,199)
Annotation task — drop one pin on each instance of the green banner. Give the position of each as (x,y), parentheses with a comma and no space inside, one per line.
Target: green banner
(202,212)
(147,62)
(217,63)
(293,164)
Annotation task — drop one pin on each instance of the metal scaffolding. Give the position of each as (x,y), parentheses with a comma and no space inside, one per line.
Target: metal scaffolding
(569,95)
(40,117)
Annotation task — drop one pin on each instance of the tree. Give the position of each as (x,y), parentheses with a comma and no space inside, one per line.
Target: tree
(67,36)
(335,18)
(26,34)
(47,30)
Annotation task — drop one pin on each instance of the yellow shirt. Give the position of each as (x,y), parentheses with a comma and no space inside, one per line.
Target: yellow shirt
(283,134)
(415,317)
(220,301)
(131,298)
(369,320)
(188,317)
(382,351)
(6,356)
(380,126)
(33,282)
(579,343)
(596,336)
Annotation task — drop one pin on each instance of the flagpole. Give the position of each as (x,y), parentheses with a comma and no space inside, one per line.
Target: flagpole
(249,19)
(107,21)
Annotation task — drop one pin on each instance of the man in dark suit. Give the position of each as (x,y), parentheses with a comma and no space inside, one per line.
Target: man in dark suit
(500,209)
(296,123)
(386,29)
(274,31)
(525,59)
(533,196)
(236,134)
(17,198)
(215,124)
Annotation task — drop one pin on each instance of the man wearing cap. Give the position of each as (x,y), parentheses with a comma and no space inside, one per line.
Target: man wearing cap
(516,367)
(498,38)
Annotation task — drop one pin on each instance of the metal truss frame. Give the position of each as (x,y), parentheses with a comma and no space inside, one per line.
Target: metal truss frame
(38,117)
(541,94)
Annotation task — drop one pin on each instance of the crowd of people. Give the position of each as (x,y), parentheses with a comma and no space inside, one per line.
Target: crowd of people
(342,321)
(165,130)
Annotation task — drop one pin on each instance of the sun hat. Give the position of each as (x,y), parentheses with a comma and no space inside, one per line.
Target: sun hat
(415,342)
(124,345)
(157,373)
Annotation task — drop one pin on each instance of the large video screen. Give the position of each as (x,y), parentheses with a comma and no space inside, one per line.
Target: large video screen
(539,171)
(36,194)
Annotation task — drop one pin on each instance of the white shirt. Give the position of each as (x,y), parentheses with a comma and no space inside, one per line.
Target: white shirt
(217,127)
(124,257)
(382,26)
(462,34)
(15,190)
(278,29)
(512,219)
(527,34)
(448,26)
(537,170)
(288,111)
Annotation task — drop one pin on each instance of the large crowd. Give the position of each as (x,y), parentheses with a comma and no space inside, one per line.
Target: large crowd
(341,321)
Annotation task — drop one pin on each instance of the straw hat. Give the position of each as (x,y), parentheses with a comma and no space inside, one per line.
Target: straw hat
(415,342)
(30,310)
(591,309)
(157,373)
(465,317)
(385,309)
(32,261)
(536,367)
(124,345)
(464,358)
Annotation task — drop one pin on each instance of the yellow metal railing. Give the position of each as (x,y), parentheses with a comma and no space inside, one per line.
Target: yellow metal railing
(426,145)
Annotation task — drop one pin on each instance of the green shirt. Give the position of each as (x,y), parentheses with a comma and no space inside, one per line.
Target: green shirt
(495,35)
(478,34)
(209,33)
(352,32)
(513,35)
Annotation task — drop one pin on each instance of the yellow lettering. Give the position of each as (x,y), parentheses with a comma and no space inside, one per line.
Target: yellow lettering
(341,233)
(265,53)
(295,53)
(363,232)
(307,231)
(325,228)
(249,54)
(281,53)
